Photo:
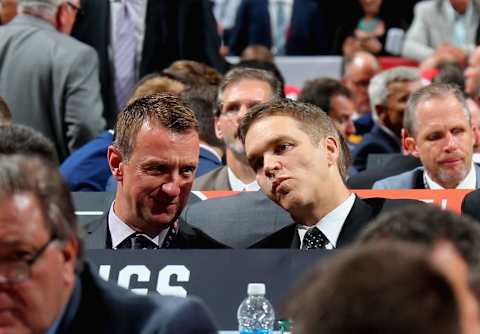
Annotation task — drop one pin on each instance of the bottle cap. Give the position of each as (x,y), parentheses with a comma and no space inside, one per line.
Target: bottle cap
(256,289)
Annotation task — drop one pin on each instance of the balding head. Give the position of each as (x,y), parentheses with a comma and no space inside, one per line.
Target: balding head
(358,72)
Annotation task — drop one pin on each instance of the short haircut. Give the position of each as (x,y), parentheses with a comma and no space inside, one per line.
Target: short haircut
(378,89)
(20,139)
(268,66)
(192,73)
(314,122)
(321,91)
(427,224)
(26,174)
(202,102)
(379,288)
(237,75)
(359,55)
(433,91)
(163,110)
(5,115)
(156,83)
(46,8)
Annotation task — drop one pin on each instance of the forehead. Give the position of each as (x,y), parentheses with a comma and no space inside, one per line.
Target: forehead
(475,58)
(21,219)
(266,130)
(156,140)
(247,88)
(341,103)
(439,111)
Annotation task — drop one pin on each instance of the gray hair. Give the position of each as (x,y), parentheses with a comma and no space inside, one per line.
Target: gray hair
(43,8)
(246,73)
(33,175)
(378,89)
(430,92)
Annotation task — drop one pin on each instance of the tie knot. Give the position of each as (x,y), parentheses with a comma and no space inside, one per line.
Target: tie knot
(314,239)
(137,241)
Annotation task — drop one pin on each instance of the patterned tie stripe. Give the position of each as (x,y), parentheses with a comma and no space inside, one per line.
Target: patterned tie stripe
(314,239)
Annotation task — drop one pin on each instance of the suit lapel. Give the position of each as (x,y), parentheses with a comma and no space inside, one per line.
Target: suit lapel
(98,236)
(359,216)
(477,175)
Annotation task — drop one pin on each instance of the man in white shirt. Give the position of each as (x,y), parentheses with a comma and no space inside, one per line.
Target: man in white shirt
(241,89)
(299,160)
(438,131)
(153,157)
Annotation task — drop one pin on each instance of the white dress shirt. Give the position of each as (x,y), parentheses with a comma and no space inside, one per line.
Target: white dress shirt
(469,182)
(331,224)
(120,231)
(238,185)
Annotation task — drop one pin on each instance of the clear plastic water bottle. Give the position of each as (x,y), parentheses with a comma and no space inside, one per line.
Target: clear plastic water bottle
(255,314)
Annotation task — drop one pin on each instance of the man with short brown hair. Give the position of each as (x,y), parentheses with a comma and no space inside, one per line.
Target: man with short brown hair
(153,157)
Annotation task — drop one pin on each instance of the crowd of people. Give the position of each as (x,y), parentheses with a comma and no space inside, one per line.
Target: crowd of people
(136,98)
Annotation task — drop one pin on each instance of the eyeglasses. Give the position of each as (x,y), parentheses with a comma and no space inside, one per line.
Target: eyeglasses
(19,270)
(78,9)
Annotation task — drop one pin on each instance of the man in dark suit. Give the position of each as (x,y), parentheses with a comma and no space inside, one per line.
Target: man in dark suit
(46,286)
(240,220)
(298,157)
(471,204)
(388,92)
(153,158)
(304,33)
(173,30)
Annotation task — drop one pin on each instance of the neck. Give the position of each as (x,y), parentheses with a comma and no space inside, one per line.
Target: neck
(240,167)
(324,203)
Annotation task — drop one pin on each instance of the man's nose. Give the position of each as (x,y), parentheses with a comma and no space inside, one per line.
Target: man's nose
(271,165)
(172,187)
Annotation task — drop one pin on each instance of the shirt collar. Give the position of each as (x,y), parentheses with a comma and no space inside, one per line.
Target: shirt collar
(331,224)
(469,182)
(238,185)
(453,15)
(119,230)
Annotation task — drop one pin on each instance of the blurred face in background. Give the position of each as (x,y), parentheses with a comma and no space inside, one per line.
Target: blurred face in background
(8,10)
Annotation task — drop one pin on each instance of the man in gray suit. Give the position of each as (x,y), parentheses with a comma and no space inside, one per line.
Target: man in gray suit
(438,131)
(50,80)
(443,29)
(241,89)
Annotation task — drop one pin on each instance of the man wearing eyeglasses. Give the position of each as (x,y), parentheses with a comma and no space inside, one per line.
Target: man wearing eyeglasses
(50,80)
(45,286)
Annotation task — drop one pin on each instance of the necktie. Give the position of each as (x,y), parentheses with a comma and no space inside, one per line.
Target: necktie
(281,27)
(170,238)
(314,239)
(137,241)
(124,56)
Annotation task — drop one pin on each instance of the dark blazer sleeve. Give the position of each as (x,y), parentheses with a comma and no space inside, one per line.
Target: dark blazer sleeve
(471,205)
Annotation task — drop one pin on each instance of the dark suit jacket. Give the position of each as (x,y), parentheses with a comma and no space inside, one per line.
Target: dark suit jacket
(376,141)
(363,211)
(471,204)
(237,221)
(366,179)
(207,162)
(99,307)
(306,34)
(87,169)
(98,236)
(175,29)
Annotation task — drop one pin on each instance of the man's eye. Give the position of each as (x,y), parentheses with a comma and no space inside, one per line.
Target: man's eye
(282,148)
(433,136)
(187,171)
(457,131)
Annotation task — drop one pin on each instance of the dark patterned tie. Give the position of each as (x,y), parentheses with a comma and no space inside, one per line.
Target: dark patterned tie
(170,238)
(137,241)
(314,239)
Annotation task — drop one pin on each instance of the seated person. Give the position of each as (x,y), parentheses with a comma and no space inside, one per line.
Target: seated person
(45,283)
(439,132)
(388,91)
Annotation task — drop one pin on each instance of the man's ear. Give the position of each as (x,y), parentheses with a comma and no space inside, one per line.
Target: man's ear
(115,161)
(410,145)
(381,112)
(70,254)
(218,131)
(60,17)
(332,150)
